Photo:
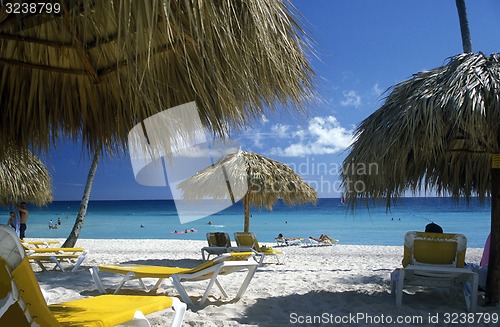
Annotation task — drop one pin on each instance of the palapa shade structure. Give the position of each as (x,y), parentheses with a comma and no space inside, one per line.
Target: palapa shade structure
(267,180)
(23,177)
(439,130)
(94,69)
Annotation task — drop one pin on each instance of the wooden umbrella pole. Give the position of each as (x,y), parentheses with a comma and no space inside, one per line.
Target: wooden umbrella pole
(493,279)
(246,206)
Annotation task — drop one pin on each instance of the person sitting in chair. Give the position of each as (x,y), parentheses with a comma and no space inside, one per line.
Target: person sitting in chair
(433,228)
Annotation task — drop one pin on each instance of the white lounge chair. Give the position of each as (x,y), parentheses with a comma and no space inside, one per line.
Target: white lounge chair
(210,270)
(56,256)
(321,241)
(40,244)
(435,260)
(286,241)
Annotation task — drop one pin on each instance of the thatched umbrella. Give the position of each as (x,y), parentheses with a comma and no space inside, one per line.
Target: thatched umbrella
(264,181)
(94,69)
(439,130)
(23,177)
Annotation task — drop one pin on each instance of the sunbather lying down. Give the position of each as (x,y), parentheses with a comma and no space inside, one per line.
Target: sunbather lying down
(321,238)
(280,239)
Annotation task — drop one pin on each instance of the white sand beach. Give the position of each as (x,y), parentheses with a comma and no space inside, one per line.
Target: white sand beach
(336,285)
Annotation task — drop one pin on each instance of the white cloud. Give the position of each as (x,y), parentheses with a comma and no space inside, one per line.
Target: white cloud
(324,135)
(257,140)
(280,130)
(351,99)
(300,133)
(264,119)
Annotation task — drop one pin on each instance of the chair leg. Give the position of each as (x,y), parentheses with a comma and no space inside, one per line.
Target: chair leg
(399,287)
(143,285)
(79,261)
(58,264)
(210,284)
(40,264)
(157,285)
(139,320)
(94,272)
(261,260)
(282,261)
(470,293)
(182,292)
(126,278)
(246,282)
(180,310)
(394,279)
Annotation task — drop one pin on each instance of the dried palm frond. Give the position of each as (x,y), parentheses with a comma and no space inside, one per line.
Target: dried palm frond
(23,177)
(267,180)
(98,68)
(437,130)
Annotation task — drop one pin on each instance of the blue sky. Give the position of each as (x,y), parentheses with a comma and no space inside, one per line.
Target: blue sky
(362,48)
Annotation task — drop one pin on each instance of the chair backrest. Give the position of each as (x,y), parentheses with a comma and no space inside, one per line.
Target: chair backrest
(434,249)
(13,310)
(247,239)
(219,239)
(16,265)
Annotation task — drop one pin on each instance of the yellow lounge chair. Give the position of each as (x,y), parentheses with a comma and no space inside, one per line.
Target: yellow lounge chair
(57,256)
(435,260)
(250,242)
(222,265)
(218,243)
(40,244)
(22,302)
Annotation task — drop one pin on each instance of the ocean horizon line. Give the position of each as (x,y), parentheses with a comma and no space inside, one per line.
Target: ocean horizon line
(361,200)
(363,224)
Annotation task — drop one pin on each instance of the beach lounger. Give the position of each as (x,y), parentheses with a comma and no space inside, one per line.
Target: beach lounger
(435,260)
(56,256)
(248,241)
(312,241)
(22,302)
(218,243)
(286,241)
(224,264)
(40,244)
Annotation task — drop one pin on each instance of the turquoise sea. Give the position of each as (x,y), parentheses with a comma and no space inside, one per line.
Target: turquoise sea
(369,226)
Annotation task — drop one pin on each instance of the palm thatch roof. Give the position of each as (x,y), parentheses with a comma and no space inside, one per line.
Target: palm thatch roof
(23,177)
(436,130)
(265,181)
(94,69)
(268,180)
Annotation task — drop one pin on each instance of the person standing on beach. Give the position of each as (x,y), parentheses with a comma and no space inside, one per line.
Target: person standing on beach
(24,213)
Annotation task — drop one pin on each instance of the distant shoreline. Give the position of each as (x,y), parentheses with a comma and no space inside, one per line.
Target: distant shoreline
(321,198)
